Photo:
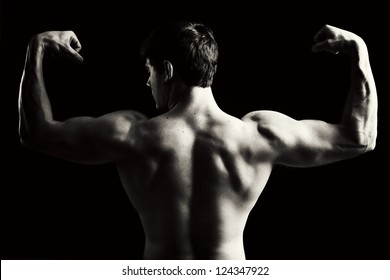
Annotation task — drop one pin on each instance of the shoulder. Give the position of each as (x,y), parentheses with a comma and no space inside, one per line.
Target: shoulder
(118,123)
(273,126)
(264,117)
(268,120)
(125,116)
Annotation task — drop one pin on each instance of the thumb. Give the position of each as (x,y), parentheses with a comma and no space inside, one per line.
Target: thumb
(74,55)
(74,48)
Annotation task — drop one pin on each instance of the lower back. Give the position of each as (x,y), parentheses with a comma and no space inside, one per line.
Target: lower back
(232,250)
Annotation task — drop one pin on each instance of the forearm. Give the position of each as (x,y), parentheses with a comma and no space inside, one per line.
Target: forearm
(34,105)
(360,112)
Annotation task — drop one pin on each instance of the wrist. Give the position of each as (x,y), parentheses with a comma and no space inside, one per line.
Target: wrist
(35,52)
(36,45)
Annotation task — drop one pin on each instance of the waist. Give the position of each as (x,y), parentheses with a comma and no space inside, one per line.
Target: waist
(195,250)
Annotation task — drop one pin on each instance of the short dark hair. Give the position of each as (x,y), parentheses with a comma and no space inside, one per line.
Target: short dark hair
(190,47)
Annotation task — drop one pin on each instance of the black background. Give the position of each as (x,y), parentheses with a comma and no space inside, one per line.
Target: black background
(53,209)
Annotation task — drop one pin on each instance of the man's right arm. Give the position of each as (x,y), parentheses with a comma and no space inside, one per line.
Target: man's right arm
(81,139)
(308,143)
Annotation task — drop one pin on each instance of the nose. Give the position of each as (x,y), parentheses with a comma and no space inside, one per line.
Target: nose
(148,83)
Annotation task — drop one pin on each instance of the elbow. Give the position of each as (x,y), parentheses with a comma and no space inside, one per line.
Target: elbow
(371,140)
(370,147)
(34,138)
(22,136)
(371,144)
(26,139)
(23,141)
(363,142)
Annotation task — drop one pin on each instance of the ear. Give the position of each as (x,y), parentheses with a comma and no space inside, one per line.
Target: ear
(168,70)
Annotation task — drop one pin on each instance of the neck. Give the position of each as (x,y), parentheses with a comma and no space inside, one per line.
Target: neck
(195,99)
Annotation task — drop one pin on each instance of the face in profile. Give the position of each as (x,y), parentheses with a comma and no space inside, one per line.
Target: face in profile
(156,82)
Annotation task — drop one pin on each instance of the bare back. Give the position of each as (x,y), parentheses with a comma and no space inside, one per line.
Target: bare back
(194,181)
(194,173)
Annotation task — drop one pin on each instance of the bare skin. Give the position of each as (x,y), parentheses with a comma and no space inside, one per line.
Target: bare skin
(194,172)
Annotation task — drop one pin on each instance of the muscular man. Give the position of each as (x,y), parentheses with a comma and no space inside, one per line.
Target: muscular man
(194,172)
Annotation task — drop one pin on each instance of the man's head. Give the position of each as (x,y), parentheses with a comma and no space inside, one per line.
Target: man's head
(185,49)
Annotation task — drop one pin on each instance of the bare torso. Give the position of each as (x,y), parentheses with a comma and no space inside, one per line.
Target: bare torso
(194,178)
(194,173)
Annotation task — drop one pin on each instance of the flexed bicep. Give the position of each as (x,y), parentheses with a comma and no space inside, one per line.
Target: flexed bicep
(313,142)
(305,143)
(81,139)
(89,140)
